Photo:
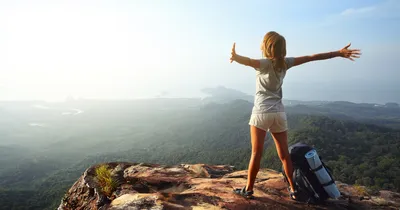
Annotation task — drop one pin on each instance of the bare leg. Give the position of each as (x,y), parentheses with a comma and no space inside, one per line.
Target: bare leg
(257,146)
(281,144)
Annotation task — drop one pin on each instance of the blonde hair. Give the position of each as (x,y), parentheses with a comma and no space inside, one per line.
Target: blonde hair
(273,47)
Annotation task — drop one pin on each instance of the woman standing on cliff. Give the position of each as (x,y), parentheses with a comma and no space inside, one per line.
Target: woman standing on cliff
(268,112)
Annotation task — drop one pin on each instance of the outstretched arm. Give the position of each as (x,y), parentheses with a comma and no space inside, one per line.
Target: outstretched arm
(344,52)
(243,60)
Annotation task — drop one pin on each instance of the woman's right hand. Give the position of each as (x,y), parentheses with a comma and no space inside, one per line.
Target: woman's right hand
(233,53)
(349,53)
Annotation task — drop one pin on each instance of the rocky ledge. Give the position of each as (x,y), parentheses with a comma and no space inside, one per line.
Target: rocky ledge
(199,186)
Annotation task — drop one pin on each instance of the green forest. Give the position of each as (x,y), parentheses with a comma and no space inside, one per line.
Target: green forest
(360,142)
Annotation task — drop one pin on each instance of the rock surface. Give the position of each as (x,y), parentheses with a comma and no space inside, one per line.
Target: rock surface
(200,186)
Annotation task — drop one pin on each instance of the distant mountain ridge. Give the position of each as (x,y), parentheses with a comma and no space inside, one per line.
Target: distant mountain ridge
(221,94)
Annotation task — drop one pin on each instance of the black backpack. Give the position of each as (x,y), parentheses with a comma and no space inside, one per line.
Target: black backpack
(307,185)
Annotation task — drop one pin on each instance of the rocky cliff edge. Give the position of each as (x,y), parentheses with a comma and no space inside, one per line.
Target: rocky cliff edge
(119,185)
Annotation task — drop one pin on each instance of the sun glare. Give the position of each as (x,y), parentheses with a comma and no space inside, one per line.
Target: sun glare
(53,53)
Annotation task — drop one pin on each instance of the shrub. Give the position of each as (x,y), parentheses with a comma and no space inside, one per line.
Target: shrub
(107,183)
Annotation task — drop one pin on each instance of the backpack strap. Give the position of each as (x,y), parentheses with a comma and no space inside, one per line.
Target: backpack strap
(328,183)
(308,184)
(320,167)
(317,168)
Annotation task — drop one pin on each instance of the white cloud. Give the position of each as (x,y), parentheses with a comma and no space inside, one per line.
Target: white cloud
(352,11)
(388,9)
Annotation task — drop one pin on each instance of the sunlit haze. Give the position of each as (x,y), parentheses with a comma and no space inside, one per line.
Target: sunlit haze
(133,49)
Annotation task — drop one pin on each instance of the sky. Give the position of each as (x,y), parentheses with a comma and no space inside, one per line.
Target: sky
(144,48)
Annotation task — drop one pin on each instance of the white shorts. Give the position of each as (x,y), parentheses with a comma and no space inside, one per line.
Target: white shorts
(273,122)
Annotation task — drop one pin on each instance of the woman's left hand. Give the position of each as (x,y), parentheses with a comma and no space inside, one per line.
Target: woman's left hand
(233,53)
(345,52)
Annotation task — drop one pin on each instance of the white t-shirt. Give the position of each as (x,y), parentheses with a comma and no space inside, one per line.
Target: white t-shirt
(268,97)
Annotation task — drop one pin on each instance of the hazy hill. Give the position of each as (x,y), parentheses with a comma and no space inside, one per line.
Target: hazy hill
(46,146)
